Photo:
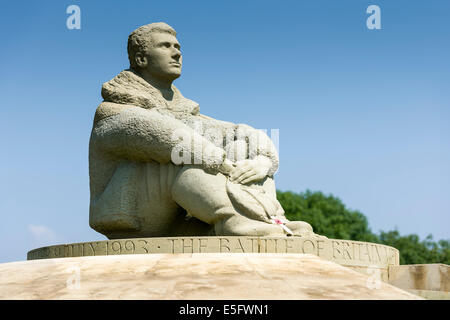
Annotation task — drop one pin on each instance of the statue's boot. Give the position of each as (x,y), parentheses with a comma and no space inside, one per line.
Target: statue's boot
(300,228)
(303,229)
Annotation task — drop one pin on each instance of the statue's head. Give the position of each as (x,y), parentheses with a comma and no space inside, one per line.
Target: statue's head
(154,49)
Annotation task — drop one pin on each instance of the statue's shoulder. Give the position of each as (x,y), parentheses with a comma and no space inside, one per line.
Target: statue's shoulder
(108,109)
(223,124)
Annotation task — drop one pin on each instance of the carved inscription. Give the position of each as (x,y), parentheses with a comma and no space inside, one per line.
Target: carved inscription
(342,251)
(142,246)
(309,246)
(224,245)
(348,251)
(363,251)
(130,247)
(203,245)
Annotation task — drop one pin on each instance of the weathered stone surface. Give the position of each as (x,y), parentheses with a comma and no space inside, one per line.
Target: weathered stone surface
(431,295)
(432,277)
(190,276)
(375,271)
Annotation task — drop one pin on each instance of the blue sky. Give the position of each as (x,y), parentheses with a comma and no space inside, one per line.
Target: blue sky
(363,114)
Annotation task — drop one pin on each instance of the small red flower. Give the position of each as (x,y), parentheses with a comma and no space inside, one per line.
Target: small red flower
(278,221)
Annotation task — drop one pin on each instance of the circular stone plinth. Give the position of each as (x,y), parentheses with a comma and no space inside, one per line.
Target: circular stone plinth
(345,252)
(198,276)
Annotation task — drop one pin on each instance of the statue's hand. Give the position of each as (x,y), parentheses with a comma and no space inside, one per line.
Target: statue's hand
(250,170)
(227,167)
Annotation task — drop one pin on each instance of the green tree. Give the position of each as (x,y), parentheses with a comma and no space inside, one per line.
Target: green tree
(329,216)
(414,251)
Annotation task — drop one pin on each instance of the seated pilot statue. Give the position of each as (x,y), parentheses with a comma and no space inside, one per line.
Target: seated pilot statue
(160,168)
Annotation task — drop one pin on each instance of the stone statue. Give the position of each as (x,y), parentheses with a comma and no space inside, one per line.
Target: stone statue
(160,168)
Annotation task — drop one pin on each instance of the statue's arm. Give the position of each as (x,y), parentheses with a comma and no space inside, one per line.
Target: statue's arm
(259,145)
(144,135)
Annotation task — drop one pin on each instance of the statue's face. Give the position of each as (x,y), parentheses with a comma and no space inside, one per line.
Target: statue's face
(163,58)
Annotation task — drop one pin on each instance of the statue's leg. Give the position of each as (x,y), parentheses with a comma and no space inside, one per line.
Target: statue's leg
(204,197)
(160,215)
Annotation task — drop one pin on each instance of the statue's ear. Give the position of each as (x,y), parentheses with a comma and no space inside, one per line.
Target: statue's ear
(140,59)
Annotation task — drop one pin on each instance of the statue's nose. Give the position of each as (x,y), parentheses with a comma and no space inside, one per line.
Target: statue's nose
(176,54)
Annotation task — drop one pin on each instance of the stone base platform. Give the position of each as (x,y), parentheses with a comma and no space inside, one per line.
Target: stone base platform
(367,258)
(195,276)
(431,281)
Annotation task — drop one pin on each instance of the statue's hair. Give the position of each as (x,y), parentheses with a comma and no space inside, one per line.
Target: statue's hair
(139,40)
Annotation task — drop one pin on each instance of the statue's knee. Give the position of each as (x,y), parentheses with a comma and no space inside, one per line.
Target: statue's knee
(202,195)
(196,182)
(184,182)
